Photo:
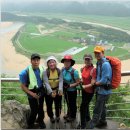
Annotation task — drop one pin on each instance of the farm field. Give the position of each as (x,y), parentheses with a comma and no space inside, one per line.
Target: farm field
(48,39)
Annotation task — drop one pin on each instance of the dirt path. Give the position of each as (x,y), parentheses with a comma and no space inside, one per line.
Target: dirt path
(44,31)
(102,25)
(108,26)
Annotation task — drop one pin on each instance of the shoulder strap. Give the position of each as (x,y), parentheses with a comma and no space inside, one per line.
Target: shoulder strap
(62,69)
(101,67)
(27,72)
(58,71)
(48,72)
(72,74)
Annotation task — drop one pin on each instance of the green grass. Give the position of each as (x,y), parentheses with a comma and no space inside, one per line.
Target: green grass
(70,34)
(64,34)
(117,52)
(46,44)
(59,42)
(55,43)
(15,90)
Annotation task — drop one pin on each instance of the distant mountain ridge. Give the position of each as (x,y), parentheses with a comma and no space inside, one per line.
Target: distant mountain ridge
(119,9)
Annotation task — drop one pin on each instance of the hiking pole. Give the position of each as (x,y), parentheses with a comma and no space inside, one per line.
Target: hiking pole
(57,125)
(64,110)
(79,95)
(71,122)
(78,105)
(66,86)
(69,112)
(37,92)
(60,108)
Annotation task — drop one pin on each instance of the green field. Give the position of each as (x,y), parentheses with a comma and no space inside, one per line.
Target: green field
(44,44)
(60,40)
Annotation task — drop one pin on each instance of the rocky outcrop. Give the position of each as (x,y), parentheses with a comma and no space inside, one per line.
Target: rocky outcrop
(14,115)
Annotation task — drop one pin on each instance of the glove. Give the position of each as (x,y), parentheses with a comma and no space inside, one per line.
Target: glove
(66,85)
(60,93)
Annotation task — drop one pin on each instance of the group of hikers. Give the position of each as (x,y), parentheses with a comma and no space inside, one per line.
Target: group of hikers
(51,84)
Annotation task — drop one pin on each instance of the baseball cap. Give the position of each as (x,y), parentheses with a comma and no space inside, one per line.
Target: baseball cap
(35,55)
(99,49)
(88,56)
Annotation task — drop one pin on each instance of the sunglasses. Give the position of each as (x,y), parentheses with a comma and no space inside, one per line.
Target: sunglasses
(88,59)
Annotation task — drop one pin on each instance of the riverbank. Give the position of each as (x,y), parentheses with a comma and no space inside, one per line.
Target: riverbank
(12,62)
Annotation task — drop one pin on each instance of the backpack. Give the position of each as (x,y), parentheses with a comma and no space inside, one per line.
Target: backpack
(116,71)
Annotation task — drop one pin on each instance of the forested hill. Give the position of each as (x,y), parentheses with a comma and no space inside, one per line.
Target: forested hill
(119,9)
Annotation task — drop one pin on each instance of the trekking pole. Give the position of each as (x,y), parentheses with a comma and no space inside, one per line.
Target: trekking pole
(37,92)
(67,102)
(57,126)
(64,111)
(71,122)
(79,96)
(60,108)
(78,105)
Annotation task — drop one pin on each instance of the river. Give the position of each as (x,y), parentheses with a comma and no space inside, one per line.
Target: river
(14,26)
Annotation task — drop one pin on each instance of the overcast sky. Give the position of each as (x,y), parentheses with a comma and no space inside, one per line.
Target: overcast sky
(58,0)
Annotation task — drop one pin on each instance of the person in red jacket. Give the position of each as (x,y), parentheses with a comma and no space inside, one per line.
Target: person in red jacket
(88,78)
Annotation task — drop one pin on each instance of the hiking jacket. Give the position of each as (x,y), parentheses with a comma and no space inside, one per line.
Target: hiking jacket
(104,76)
(86,77)
(67,77)
(31,78)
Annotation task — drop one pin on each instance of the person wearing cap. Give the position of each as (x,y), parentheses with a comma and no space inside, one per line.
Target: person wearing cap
(70,81)
(88,73)
(32,85)
(54,83)
(103,89)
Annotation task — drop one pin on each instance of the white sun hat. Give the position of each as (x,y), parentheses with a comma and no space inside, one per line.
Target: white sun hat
(51,58)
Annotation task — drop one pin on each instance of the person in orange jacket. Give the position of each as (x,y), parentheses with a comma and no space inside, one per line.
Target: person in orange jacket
(88,76)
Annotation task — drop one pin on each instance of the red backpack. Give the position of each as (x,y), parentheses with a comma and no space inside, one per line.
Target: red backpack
(116,71)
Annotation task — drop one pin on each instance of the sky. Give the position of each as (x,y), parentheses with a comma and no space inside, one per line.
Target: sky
(59,0)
